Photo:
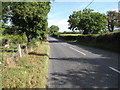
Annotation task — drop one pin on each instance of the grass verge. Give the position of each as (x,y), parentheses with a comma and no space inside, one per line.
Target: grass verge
(70,34)
(30,71)
(104,46)
(107,41)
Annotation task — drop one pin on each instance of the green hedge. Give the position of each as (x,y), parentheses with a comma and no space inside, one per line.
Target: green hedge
(15,38)
(109,41)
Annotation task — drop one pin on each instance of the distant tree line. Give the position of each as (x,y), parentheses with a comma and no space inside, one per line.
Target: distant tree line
(93,22)
(53,30)
(113,20)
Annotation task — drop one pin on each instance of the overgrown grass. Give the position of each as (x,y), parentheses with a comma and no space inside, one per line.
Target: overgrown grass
(70,34)
(31,71)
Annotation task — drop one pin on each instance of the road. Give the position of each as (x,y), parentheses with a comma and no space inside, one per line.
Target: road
(77,66)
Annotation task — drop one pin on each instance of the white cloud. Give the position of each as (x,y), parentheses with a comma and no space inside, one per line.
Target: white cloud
(57,19)
(110,10)
(54,14)
(114,9)
(82,6)
(62,24)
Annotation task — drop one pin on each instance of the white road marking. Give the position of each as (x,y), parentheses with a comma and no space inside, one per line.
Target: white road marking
(78,51)
(114,69)
(66,44)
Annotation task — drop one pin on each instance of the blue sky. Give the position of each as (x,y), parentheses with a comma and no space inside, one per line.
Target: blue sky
(61,11)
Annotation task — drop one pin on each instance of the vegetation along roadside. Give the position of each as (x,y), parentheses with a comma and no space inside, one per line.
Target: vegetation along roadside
(24,59)
(107,41)
(30,71)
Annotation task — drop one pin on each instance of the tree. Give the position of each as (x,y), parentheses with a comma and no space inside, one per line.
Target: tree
(113,20)
(6,11)
(54,30)
(29,18)
(88,21)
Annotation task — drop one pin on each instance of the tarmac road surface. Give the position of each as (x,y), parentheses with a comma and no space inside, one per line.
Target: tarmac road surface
(76,66)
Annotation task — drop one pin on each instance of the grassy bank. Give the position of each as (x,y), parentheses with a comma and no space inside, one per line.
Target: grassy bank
(30,71)
(70,34)
(107,41)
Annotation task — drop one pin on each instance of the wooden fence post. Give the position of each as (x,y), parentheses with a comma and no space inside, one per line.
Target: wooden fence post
(19,50)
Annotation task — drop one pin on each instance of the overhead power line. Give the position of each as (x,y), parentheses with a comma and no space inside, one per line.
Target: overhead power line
(88,4)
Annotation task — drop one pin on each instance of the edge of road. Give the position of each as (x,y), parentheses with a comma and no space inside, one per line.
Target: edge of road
(80,45)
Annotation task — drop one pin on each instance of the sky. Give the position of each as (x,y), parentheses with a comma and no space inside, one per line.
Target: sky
(60,11)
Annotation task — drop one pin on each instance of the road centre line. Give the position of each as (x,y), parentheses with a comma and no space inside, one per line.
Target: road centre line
(77,51)
(114,70)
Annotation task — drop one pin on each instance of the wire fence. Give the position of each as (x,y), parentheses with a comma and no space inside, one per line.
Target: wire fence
(8,56)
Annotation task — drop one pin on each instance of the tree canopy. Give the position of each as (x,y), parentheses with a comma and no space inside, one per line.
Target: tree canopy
(113,20)
(54,29)
(88,21)
(28,17)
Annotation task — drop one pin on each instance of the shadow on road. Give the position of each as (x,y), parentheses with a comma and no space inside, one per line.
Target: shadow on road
(53,41)
(88,74)
(103,53)
(91,71)
(34,53)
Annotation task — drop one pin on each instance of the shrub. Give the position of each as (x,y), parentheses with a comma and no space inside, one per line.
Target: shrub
(33,43)
(108,41)
(16,38)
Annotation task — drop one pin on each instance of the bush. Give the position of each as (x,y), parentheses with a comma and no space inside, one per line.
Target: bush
(33,43)
(108,41)
(69,38)
(16,38)
(73,32)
